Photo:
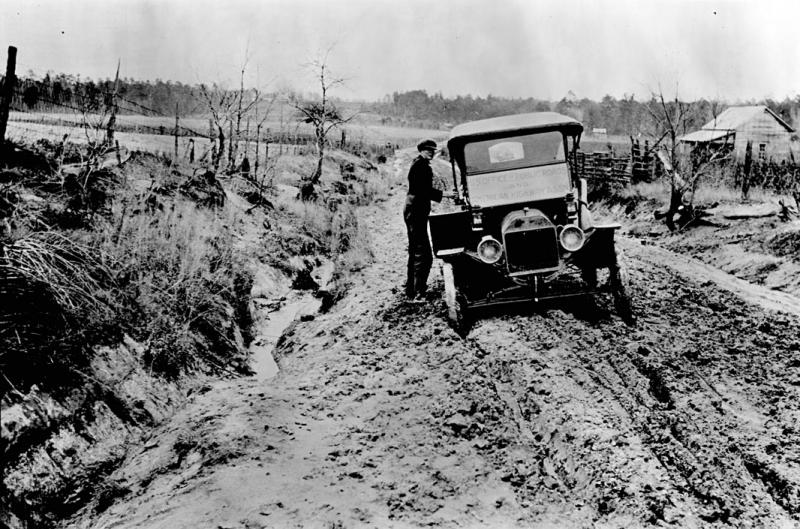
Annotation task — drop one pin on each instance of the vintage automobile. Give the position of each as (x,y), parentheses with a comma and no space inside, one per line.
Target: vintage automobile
(524,230)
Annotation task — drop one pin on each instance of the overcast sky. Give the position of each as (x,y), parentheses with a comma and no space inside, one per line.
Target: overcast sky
(730,49)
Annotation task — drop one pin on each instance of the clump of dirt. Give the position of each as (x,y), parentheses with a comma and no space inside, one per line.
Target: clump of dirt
(785,243)
(204,189)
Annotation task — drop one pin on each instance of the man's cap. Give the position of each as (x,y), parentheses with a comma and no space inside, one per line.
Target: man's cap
(426,145)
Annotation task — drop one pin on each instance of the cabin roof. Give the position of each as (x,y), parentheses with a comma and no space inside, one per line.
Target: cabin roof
(706,136)
(728,122)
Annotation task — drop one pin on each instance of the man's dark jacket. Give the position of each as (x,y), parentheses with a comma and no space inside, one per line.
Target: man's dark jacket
(420,188)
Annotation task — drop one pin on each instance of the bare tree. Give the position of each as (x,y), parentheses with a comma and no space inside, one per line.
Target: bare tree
(323,115)
(671,120)
(220,103)
(228,108)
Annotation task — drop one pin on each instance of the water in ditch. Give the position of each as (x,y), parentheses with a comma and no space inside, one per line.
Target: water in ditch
(275,315)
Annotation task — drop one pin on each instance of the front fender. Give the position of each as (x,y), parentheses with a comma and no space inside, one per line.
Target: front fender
(598,251)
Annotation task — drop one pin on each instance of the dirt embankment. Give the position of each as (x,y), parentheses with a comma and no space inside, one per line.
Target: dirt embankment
(748,240)
(190,260)
(382,416)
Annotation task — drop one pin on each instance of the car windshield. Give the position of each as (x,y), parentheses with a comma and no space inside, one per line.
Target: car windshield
(514,153)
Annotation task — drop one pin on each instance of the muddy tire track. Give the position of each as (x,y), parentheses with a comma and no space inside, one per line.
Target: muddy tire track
(668,391)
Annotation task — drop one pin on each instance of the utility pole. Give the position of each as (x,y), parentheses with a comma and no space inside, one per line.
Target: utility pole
(7,93)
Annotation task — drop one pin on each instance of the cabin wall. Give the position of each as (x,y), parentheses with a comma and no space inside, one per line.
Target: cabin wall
(764,130)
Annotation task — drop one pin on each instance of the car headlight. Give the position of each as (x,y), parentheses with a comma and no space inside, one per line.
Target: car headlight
(572,238)
(490,250)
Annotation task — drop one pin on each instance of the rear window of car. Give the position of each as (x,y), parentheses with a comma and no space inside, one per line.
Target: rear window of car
(513,153)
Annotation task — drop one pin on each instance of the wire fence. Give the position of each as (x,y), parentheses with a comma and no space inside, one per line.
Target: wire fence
(48,105)
(60,114)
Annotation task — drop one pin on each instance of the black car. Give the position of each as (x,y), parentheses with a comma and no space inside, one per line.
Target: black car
(524,231)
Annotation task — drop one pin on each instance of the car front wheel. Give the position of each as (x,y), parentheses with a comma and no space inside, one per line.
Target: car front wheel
(619,281)
(457,310)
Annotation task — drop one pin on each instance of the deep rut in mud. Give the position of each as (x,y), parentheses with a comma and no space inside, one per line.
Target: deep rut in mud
(545,416)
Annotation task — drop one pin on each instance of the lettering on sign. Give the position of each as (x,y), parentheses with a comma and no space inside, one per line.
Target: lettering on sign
(519,185)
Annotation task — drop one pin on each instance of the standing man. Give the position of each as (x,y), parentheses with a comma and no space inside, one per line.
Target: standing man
(415,213)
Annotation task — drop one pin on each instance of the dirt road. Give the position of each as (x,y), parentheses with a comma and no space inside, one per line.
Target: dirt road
(381,416)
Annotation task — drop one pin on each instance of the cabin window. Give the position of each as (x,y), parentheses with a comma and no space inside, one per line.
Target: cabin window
(762,151)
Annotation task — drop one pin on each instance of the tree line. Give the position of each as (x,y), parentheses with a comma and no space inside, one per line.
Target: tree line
(623,116)
(154,97)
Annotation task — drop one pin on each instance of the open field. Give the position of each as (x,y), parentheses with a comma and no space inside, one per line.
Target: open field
(619,144)
(58,124)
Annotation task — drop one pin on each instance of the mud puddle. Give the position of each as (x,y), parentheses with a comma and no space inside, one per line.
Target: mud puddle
(275,313)
(296,306)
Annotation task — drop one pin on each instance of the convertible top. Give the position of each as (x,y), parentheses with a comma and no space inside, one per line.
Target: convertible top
(512,125)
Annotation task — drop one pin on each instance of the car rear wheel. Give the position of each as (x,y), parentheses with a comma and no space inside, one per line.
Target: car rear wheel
(619,283)
(457,309)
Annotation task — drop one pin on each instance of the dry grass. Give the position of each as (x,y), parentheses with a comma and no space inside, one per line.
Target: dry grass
(66,270)
(184,277)
(334,224)
(58,297)
(705,194)
(155,265)
(710,193)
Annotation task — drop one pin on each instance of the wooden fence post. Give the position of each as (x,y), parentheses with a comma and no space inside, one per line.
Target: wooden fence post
(112,120)
(221,150)
(258,144)
(748,165)
(7,93)
(176,132)
(230,145)
(247,137)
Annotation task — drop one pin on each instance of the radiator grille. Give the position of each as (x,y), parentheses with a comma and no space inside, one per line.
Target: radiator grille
(532,250)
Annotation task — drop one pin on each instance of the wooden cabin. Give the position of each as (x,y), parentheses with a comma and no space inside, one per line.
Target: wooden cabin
(772,138)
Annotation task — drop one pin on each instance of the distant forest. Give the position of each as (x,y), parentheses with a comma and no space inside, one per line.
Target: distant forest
(141,97)
(625,116)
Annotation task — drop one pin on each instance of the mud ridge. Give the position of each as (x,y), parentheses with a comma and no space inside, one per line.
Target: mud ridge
(657,377)
(785,493)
